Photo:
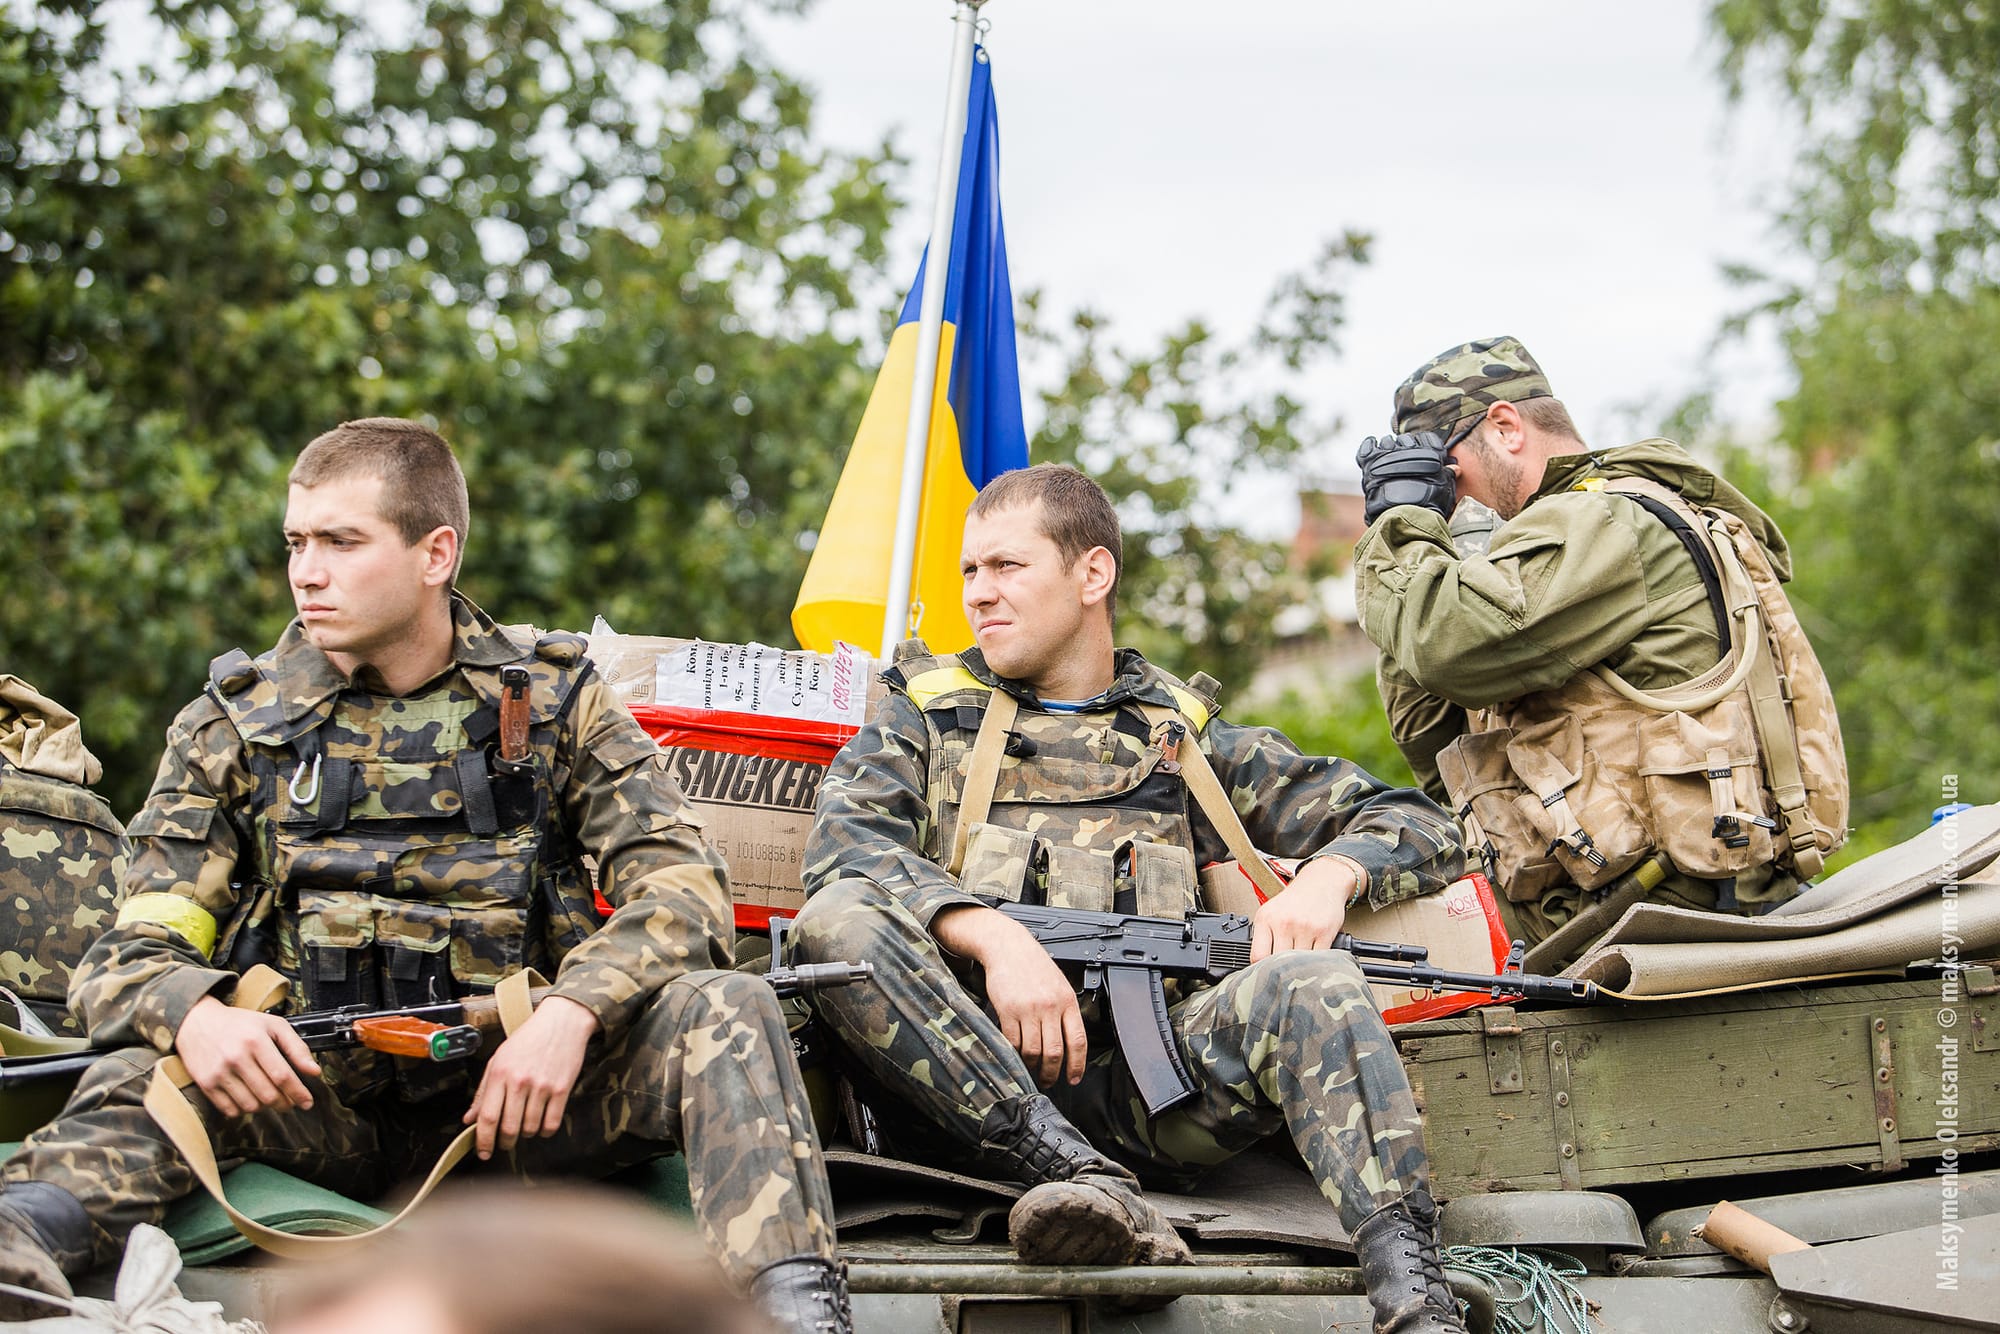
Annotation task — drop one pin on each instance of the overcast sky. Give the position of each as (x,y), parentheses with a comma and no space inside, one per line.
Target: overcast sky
(1566,171)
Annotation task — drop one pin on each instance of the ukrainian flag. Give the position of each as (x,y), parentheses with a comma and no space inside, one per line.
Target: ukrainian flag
(976,428)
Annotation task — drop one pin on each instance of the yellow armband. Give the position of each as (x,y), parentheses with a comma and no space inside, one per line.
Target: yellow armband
(194,923)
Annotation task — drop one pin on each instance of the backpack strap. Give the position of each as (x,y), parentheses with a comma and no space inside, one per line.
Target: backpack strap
(1704,560)
(1737,594)
(1757,666)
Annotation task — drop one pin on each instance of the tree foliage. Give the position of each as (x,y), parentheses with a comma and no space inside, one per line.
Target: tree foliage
(593,240)
(1172,434)
(1900,183)
(1893,430)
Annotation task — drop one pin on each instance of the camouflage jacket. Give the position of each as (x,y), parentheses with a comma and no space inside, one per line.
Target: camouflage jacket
(876,816)
(1579,577)
(208,831)
(62,851)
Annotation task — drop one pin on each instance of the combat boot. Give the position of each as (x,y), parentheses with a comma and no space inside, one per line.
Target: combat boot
(1082,1208)
(44,1237)
(804,1295)
(1398,1249)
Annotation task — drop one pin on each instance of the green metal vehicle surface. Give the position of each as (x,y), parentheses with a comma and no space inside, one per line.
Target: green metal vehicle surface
(1599,1136)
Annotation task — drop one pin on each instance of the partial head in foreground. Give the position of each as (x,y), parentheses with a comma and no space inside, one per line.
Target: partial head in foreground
(500,1258)
(1041,562)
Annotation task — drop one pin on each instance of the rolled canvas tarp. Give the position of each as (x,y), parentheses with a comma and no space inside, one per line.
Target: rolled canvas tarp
(1881,913)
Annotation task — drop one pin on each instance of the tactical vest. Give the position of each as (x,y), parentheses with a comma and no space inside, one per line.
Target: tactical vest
(400,861)
(1082,810)
(1739,768)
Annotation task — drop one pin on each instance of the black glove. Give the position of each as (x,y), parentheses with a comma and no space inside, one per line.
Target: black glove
(1405,470)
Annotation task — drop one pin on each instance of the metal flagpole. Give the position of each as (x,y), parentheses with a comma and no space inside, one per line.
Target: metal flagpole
(923,387)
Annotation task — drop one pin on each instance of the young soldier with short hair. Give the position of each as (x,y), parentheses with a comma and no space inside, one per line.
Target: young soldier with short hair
(1089,808)
(343,801)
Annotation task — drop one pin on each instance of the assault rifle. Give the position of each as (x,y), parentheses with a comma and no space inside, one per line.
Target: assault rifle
(1130,957)
(446,1031)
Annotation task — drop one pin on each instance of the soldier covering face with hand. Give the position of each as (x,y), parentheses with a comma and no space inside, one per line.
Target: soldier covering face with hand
(1088,809)
(1614,693)
(343,805)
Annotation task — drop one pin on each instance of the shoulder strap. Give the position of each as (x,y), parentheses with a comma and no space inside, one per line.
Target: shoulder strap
(1704,561)
(248,690)
(927,686)
(1739,597)
(1207,792)
(983,774)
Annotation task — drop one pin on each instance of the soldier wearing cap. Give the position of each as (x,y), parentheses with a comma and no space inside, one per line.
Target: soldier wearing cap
(1615,693)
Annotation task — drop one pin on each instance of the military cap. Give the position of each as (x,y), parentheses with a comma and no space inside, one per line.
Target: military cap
(1450,393)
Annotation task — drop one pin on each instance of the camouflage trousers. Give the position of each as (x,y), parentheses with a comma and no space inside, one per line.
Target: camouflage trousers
(1293,1044)
(708,1066)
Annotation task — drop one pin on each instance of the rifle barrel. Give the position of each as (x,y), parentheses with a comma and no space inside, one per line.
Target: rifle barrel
(18,1070)
(1528,986)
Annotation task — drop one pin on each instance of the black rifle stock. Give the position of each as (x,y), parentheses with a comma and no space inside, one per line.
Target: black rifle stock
(1130,957)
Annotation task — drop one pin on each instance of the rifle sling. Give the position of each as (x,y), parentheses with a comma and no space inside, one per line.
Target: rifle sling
(260,989)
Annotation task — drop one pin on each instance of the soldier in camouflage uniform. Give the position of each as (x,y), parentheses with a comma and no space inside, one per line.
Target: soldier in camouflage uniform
(339,807)
(62,852)
(1497,656)
(1089,811)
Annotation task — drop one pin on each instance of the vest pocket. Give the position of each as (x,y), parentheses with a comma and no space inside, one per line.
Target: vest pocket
(1488,797)
(1078,878)
(997,862)
(1163,877)
(337,951)
(1705,790)
(486,945)
(411,939)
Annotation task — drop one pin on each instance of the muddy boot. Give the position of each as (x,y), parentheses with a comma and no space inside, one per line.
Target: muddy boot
(44,1236)
(1093,1220)
(1398,1249)
(804,1295)
(1082,1208)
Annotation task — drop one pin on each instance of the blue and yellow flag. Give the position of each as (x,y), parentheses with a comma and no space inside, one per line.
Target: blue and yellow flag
(976,427)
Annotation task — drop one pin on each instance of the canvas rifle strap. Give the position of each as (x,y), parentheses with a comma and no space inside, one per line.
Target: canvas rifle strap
(261,989)
(983,772)
(1207,791)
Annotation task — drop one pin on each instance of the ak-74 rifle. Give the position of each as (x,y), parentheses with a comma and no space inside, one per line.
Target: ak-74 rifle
(1130,957)
(446,1031)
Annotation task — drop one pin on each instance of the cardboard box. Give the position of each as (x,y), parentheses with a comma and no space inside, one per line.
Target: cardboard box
(748,731)
(1460,925)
